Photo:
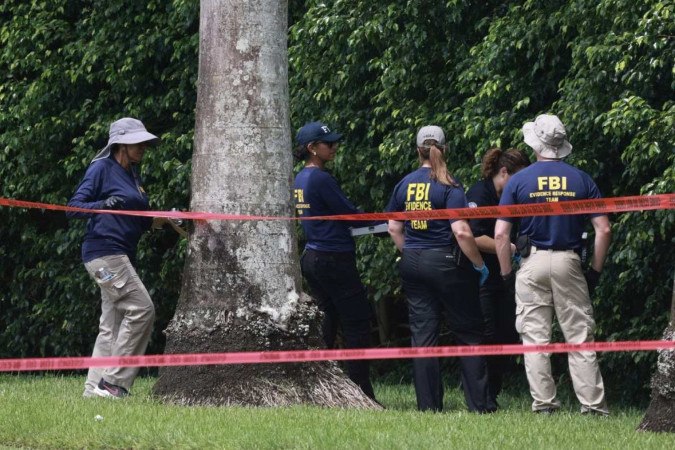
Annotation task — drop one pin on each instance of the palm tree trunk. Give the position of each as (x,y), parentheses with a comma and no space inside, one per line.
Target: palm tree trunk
(241,283)
(660,415)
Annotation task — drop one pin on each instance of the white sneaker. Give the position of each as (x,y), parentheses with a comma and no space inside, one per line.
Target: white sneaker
(109,390)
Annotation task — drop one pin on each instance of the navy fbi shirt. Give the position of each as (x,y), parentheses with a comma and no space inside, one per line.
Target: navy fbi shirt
(418,192)
(550,181)
(110,234)
(316,193)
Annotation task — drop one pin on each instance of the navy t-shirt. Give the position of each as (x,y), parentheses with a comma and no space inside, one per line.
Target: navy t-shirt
(551,181)
(316,193)
(483,193)
(418,192)
(110,234)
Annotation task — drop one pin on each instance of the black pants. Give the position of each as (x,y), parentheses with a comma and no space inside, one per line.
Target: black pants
(336,286)
(435,284)
(499,312)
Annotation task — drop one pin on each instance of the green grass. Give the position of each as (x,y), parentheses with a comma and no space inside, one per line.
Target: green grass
(49,412)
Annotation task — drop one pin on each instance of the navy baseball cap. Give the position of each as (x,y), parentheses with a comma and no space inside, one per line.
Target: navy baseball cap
(316,131)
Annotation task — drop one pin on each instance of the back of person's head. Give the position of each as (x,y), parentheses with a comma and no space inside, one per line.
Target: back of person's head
(300,152)
(495,158)
(431,146)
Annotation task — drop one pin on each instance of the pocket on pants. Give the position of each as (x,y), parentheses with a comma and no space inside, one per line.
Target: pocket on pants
(590,321)
(588,310)
(519,318)
(120,284)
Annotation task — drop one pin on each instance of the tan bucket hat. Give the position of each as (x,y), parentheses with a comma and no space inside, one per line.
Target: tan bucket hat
(547,136)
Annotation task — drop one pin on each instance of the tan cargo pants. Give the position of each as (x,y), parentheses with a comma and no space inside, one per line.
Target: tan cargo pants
(127,315)
(551,281)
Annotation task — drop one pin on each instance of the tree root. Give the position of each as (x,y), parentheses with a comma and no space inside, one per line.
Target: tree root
(318,384)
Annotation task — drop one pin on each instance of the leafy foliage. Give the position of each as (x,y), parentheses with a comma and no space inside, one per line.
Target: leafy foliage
(69,69)
(377,71)
(480,70)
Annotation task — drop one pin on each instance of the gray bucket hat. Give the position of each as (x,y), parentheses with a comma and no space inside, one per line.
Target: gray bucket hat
(126,131)
(547,136)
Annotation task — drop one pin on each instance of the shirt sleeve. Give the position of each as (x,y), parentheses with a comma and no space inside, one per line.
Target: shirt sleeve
(394,205)
(509,198)
(454,199)
(479,196)
(593,192)
(87,194)
(338,203)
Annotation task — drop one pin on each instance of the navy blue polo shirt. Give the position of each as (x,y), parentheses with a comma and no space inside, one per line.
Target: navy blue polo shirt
(317,193)
(110,234)
(551,181)
(418,192)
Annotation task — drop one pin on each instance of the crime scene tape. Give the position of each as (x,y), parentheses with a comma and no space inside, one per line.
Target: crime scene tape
(605,205)
(296,356)
(588,206)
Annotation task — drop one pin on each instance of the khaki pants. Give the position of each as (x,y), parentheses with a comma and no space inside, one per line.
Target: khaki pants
(551,281)
(127,315)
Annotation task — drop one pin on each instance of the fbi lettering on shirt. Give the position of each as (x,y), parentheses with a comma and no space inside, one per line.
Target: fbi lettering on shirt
(552,188)
(417,199)
(300,204)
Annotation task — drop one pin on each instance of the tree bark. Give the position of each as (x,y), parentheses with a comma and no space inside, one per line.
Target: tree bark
(660,415)
(241,283)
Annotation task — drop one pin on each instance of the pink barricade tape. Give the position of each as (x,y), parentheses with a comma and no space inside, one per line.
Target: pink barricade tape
(588,206)
(295,356)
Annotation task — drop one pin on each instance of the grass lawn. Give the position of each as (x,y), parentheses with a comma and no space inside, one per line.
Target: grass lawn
(49,412)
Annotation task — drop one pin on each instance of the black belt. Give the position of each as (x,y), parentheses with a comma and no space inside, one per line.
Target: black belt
(558,249)
(456,253)
(449,249)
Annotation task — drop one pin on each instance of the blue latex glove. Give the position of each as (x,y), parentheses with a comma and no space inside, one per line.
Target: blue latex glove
(484,272)
(515,259)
